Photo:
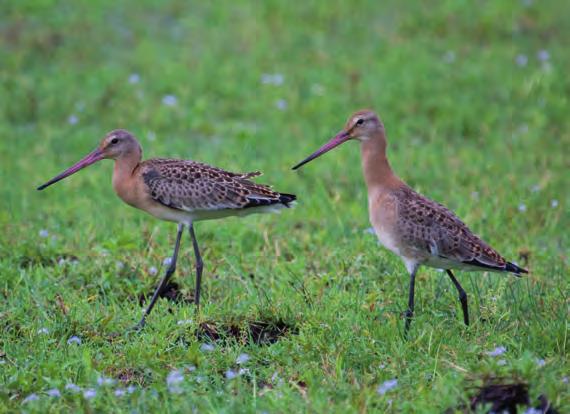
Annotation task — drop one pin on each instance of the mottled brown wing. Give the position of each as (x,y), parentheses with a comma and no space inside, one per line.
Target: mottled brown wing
(191,186)
(438,231)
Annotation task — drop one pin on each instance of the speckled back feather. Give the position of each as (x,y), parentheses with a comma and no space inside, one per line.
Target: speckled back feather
(436,231)
(190,186)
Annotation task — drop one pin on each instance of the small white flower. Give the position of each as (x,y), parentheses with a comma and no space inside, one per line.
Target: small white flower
(266,78)
(173,381)
(151,136)
(543,55)
(370,230)
(565,380)
(152,271)
(74,340)
(43,331)
(119,265)
(72,119)
(167,261)
(532,410)
(104,252)
(231,374)
(200,379)
(242,358)
(449,56)
(44,233)
(134,78)
(500,350)
(131,389)
(387,386)
(276,79)
(521,60)
(61,261)
(190,368)
(540,362)
(72,387)
(54,392)
(89,393)
(275,377)
(535,188)
(318,89)
(522,207)
(502,362)
(184,322)
(119,392)
(281,104)
(206,347)
(30,398)
(101,380)
(554,203)
(169,100)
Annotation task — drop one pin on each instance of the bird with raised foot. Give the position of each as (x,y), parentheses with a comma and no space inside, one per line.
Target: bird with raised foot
(419,230)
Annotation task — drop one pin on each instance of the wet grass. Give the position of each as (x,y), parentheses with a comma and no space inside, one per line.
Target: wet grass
(302,312)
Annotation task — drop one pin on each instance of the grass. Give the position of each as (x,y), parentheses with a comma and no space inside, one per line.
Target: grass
(477,118)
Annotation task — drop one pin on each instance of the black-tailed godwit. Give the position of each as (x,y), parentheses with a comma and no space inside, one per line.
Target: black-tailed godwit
(419,230)
(181,191)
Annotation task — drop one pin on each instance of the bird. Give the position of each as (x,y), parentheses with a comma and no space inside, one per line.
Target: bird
(180,191)
(420,231)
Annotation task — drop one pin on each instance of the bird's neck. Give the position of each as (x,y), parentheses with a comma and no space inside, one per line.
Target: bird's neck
(125,166)
(377,171)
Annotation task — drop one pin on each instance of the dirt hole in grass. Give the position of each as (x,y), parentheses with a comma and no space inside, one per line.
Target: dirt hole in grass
(171,292)
(259,332)
(505,397)
(129,376)
(253,332)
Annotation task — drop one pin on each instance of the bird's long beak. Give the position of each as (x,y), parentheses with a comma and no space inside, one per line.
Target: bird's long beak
(89,159)
(341,137)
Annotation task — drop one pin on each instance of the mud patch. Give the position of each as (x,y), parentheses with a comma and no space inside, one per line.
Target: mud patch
(171,292)
(501,396)
(252,332)
(130,376)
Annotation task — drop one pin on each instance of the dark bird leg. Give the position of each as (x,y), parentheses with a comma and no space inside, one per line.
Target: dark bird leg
(410,311)
(164,281)
(462,297)
(199,267)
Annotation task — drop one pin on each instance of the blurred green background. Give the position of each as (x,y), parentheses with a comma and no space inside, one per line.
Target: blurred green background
(474,96)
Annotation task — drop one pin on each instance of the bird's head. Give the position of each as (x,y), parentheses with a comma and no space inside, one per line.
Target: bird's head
(362,125)
(116,144)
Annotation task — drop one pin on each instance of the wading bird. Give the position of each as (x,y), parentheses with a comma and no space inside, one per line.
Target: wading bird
(181,191)
(419,230)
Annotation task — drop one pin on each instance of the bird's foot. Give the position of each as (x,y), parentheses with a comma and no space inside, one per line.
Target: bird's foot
(138,327)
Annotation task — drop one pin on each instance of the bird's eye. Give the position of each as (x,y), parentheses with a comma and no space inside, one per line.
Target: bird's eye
(114,140)
(360,121)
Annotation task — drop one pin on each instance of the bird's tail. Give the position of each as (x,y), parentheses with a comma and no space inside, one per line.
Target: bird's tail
(287,199)
(513,268)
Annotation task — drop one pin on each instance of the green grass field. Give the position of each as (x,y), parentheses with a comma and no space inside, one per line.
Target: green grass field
(302,310)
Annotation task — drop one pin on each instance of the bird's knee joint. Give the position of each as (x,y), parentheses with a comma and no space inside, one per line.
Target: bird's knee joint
(463,296)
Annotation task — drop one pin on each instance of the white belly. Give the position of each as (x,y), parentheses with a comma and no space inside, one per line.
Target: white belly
(387,241)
